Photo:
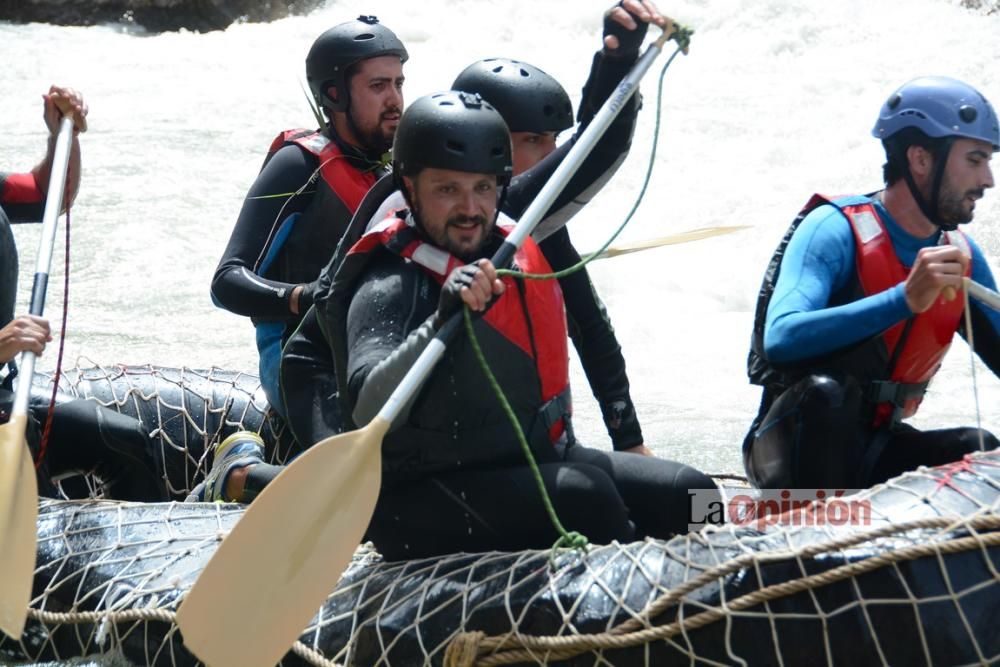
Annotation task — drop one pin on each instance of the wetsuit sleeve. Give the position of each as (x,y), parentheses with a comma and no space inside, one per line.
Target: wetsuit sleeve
(819,261)
(238,285)
(600,165)
(388,326)
(985,321)
(21,198)
(596,344)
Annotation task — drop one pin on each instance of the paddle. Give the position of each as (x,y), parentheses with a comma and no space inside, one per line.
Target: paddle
(18,487)
(272,572)
(982,293)
(672,239)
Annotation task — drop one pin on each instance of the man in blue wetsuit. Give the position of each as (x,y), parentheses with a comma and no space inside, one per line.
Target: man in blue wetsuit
(863,297)
(310,185)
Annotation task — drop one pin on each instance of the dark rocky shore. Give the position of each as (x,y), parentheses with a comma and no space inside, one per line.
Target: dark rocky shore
(153,15)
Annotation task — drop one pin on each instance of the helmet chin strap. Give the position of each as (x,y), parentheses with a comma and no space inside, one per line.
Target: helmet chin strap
(930,209)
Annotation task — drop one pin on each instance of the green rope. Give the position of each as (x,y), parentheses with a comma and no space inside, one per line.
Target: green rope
(683,34)
(283,194)
(567,539)
(572,540)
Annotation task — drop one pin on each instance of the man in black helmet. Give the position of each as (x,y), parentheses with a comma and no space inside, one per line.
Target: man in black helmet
(310,184)
(863,297)
(537,108)
(455,478)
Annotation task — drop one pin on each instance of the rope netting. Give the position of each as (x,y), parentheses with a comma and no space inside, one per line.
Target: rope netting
(183,411)
(913,582)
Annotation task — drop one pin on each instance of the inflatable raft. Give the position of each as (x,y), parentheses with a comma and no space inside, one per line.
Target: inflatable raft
(911,577)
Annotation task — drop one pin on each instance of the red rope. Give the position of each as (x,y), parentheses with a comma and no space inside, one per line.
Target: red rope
(62,344)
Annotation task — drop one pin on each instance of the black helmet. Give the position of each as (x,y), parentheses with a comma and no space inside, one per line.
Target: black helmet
(341,46)
(528,99)
(452,130)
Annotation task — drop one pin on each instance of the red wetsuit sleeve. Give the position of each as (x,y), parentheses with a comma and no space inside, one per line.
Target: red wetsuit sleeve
(20,197)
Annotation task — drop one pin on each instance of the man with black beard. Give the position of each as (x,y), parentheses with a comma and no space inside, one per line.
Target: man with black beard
(454,476)
(310,184)
(863,297)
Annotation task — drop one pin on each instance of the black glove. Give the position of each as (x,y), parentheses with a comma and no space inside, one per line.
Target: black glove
(450,301)
(308,296)
(629,41)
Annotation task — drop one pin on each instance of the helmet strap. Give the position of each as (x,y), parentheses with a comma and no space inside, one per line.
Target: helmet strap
(930,208)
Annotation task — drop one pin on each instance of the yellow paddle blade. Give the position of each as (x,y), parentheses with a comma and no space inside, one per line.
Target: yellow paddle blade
(673,239)
(273,571)
(18,530)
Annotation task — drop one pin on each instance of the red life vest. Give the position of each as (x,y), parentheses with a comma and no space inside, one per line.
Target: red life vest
(337,172)
(930,333)
(541,335)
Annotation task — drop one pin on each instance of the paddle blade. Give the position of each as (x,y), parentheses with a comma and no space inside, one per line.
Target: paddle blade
(673,239)
(273,571)
(18,530)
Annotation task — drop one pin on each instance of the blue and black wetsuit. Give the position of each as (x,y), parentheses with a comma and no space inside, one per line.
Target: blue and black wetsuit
(819,348)
(291,221)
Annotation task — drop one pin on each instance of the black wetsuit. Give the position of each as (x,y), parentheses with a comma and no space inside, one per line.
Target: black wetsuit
(280,242)
(454,477)
(85,436)
(307,374)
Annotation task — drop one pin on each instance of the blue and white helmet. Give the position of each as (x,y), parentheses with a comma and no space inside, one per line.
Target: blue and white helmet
(939,106)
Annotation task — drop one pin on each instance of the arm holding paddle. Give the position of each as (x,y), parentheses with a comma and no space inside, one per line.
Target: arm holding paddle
(18,486)
(473,285)
(937,271)
(60,102)
(624,29)
(24,333)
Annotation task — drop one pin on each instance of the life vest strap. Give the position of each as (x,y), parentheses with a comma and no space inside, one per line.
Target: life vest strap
(558,407)
(896,393)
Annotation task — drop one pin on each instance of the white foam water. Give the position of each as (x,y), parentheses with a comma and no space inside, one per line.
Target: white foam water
(774,102)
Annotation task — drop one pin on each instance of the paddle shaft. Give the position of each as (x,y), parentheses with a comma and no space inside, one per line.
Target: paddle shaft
(425,363)
(18,488)
(43,263)
(982,293)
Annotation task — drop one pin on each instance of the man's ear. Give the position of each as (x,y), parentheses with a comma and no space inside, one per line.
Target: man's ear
(331,92)
(920,161)
(411,187)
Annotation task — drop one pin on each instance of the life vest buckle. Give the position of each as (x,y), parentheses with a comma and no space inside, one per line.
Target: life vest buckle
(558,407)
(898,394)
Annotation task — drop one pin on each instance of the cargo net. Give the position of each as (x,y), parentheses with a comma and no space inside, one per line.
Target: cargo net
(182,411)
(913,580)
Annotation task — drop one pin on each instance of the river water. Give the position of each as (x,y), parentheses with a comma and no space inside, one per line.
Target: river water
(774,102)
